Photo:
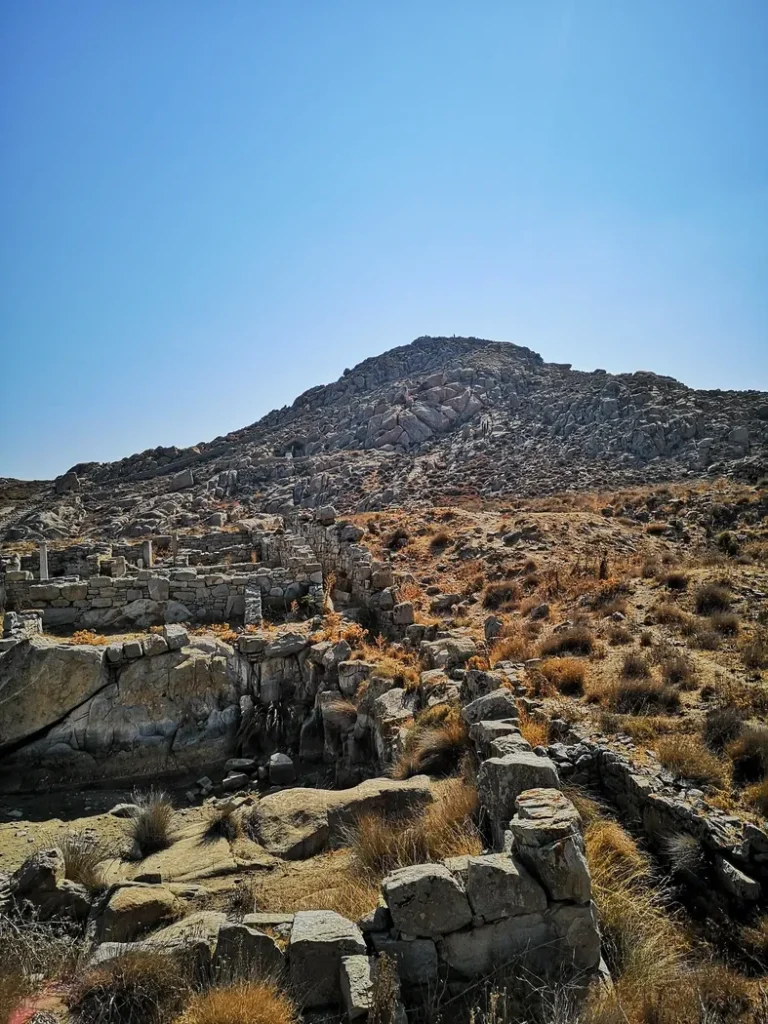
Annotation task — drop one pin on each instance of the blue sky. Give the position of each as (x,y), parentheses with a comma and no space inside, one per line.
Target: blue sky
(209,207)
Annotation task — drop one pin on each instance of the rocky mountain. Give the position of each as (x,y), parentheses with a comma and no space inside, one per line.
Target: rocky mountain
(423,423)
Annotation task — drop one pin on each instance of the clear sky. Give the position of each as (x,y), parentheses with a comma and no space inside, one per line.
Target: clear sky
(208,207)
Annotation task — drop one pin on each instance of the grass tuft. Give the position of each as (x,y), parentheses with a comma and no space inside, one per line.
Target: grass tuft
(249,1002)
(151,828)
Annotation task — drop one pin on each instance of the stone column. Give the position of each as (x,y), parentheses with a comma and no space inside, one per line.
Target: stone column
(146,554)
(43,560)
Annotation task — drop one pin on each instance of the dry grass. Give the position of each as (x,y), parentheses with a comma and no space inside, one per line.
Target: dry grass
(755,653)
(151,829)
(577,640)
(445,829)
(640,697)
(567,675)
(677,670)
(513,647)
(433,748)
(757,797)
(675,580)
(252,1002)
(635,666)
(86,637)
(136,988)
(84,856)
(340,713)
(502,596)
(223,821)
(533,730)
(688,757)
(711,598)
(329,881)
(749,753)
(722,726)
(439,542)
(32,954)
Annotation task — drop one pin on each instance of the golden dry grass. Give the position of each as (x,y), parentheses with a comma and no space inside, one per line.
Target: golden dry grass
(253,1002)
(435,744)
(135,988)
(567,675)
(688,756)
(330,881)
(445,829)
(83,637)
(534,731)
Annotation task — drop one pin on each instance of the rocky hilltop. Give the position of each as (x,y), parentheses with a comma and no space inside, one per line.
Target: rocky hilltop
(436,420)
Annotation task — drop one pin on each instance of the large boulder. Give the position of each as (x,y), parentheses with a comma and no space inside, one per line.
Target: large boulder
(40,882)
(243,951)
(547,838)
(298,823)
(501,780)
(426,900)
(135,908)
(500,704)
(320,940)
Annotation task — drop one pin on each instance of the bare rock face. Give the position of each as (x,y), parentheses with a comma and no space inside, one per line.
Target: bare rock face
(547,838)
(41,682)
(76,712)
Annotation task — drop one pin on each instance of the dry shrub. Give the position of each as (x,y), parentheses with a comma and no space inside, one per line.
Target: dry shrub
(248,1002)
(755,653)
(577,640)
(433,749)
(151,828)
(668,614)
(688,757)
(504,595)
(439,541)
(340,713)
(514,647)
(725,623)
(32,953)
(711,598)
(675,581)
(749,753)
(722,726)
(619,635)
(223,821)
(242,900)
(641,697)
(677,670)
(757,797)
(566,674)
(135,988)
(445,829)
(83,859)
(635,666)
(88,637)
(533,730)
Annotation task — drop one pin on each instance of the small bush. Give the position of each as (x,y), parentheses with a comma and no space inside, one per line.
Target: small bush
(757,797)
(516,647)
(242,900)
(656,529)
(503,595)
(646,638)
(676,581)
(577,640)
(728,544)
(721,727)
(712,598)
(725,623)
(683,851)
(688,757)
(136,988)
(83,857)
(340,713)
(566,674)
(223,821)
(707,639)
(433,749)
(440,541)
(151,828)
(250,1002)
(635,666)
(668,614)
(755,653)
(533,730)
(749,753)
(619,635)
(399,538)
(642,697)
(677,670)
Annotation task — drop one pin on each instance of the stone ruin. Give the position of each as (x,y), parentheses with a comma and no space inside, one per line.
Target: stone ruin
(232,576)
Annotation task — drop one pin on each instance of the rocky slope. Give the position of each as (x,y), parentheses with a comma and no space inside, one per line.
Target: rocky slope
(434,420)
